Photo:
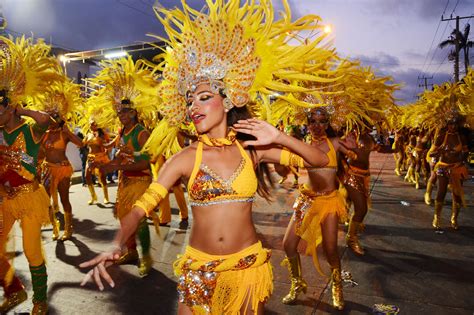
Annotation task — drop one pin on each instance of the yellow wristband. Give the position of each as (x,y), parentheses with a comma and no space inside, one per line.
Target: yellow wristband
(151,198)
(288,158)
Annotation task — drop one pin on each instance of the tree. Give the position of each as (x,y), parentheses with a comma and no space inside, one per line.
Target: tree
(464,45)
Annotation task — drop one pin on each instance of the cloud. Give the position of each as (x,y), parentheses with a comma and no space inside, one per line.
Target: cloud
(426,9)
(410,84)
(381,61)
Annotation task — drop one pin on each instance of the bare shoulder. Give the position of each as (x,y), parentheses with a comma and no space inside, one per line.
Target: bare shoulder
(336,142)
(184,159)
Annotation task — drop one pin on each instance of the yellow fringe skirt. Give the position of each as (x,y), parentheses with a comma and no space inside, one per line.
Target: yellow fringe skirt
(28,200)
(97,159)
(224,284)
(129,190)
(310,210)
(56,172)
(456,173)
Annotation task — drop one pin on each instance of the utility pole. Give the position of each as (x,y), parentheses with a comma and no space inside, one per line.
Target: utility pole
(425,79)
(456,41)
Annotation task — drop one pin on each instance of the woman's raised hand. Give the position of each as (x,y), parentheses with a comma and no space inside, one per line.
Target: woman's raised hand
(263,131)
(99,270)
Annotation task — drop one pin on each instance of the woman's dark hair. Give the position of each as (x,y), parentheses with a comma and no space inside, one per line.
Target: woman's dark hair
(4,98)
(263,173)
(101,132)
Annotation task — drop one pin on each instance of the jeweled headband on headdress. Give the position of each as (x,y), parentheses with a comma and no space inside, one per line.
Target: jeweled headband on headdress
(236,47)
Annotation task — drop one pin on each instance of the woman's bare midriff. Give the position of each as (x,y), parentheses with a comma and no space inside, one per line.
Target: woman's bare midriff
(323,180)
(223,229)
(55,155)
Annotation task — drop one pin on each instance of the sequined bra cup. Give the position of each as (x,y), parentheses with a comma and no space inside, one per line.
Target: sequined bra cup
(59,144)
(332,156)
(207,188)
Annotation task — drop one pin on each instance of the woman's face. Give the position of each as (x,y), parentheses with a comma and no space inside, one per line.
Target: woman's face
(452,126)
(93,126)
(205,109)
(318,123)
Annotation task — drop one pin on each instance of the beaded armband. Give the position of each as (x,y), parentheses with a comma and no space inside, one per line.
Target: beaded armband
(151,198)
(290,159)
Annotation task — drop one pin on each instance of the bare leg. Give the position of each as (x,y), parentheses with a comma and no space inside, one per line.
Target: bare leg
(360,204)
(63,189)
(442,189)
(291,240)
(249,311)
(360,210)
(329,229)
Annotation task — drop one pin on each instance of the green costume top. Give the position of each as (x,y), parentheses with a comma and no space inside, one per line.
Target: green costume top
(22,147)
(132,152)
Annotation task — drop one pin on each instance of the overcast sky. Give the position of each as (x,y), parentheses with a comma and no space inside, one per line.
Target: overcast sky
(395,37)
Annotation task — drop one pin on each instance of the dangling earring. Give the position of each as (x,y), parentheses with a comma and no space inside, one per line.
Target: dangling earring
(228,104)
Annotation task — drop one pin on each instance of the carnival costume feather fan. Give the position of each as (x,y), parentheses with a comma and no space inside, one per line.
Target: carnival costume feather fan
(64,98)
(446,102)
(123,80)
(356,99)
(26,69)
(238,50)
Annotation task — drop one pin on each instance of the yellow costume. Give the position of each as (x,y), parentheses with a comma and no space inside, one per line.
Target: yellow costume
(359,179)
(230,278)
(54,173)
(311,209)
(221,284)
(25,71)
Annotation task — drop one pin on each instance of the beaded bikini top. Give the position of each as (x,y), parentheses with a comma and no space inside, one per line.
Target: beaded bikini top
(205,187)
(332,164)
(58,144)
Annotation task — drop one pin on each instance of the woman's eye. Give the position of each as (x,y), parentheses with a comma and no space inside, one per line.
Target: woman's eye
(204,97)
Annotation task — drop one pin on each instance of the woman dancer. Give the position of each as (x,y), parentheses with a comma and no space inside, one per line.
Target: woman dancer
(57,172)
(97,141)
(60,101)
(451,149)
(318,209)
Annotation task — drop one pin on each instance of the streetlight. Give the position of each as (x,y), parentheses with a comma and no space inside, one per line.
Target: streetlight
(116,54)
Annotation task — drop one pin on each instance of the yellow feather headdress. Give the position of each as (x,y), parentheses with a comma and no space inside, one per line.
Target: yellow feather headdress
(65,99)
(26,69)
(238,48)
(125,84)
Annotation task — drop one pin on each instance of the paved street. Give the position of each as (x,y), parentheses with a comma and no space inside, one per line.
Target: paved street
(406,263)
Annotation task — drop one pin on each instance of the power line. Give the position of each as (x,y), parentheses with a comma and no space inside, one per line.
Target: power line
(434,37)
(55,44)
(134,8)
(455,6)
(436,72)
(455,38)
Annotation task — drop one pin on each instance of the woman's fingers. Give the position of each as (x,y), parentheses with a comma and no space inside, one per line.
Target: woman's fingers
(97,278)
(87,277)
(89,263)
(104,274)
(251,142)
